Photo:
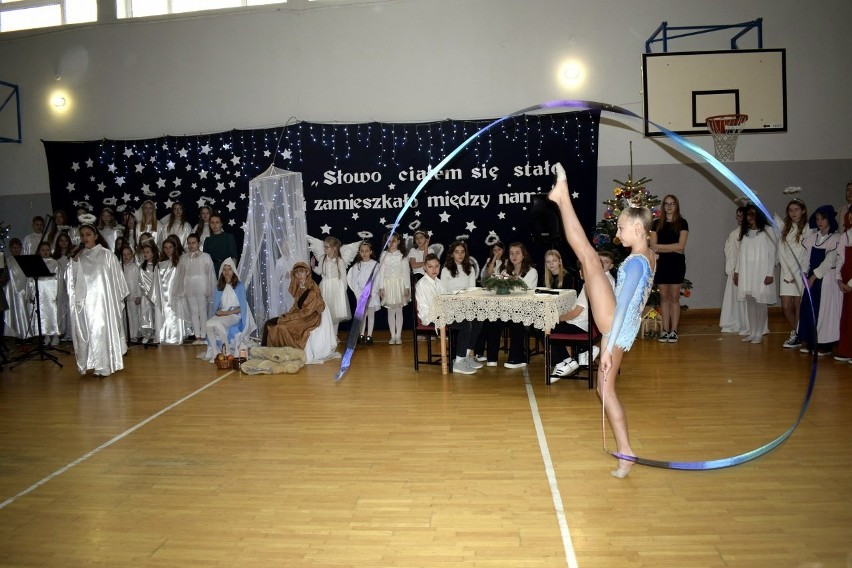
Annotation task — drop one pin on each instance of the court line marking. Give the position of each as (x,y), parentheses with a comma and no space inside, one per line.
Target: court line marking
(110,442)
(567,544)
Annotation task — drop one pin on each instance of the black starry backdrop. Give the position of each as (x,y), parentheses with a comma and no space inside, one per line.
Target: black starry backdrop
(356,177)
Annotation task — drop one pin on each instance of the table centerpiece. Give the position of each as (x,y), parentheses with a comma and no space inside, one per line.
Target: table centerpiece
(502,284)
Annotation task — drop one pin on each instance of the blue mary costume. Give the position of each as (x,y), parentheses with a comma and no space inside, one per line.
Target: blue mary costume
(238,334)
(635,280)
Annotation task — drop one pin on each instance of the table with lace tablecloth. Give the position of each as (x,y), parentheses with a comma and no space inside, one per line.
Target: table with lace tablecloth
(541,311)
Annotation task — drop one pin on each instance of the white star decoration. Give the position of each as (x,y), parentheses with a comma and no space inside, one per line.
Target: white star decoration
(355,216)
(501,215)
(182,152)
(391,186)
(231,206)
(89,163)
(325,229)
(75,166)
(471,226)
(575,195)
(287,154)
(205,149)
(128,152)
(445,217)
(119,181)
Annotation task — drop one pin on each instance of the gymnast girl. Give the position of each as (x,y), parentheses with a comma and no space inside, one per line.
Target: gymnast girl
(617,314)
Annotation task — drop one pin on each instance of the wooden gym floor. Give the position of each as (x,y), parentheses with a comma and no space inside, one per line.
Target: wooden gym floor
(171,463)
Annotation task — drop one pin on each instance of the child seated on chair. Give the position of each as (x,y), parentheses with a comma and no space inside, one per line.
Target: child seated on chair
(427,288)
(231,320)
(293,328)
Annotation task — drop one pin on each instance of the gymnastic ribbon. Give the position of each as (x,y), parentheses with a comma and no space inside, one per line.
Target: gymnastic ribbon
(718,166)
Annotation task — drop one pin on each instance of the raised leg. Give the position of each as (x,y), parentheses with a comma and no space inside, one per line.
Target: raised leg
(598,289)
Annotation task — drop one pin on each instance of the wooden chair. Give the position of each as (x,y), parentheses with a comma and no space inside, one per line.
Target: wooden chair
(585,340)
(433,356)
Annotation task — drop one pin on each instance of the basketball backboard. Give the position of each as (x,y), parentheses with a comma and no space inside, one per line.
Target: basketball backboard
(682,89)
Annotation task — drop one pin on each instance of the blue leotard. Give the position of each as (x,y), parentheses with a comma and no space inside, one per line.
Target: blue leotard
(635,280)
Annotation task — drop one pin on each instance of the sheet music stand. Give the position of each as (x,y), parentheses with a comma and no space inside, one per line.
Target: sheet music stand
(33,266)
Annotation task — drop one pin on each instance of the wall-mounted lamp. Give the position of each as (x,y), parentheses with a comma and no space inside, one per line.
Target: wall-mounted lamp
(59,101)
(571,74)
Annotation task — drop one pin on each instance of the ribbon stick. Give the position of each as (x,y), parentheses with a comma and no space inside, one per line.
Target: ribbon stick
(718,166)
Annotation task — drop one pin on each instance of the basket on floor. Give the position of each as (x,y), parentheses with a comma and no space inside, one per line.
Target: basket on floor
(223,362)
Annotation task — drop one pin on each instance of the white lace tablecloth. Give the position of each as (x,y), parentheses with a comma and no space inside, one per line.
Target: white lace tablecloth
(538,310)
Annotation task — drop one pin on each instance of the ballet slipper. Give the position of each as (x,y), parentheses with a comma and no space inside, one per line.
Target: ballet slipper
(556,194)
(622,470)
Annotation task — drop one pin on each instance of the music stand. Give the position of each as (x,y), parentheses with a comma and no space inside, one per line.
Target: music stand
(33,266)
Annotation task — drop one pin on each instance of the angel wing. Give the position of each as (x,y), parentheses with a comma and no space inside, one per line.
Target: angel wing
(316,246)
(437,249)
(349,251)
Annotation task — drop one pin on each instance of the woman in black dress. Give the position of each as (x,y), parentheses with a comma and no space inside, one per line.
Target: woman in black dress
(668,240)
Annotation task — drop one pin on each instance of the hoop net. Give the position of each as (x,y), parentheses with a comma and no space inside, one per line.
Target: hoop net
(725,129)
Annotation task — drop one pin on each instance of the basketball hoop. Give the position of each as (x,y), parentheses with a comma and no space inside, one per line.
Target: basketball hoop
(725,129)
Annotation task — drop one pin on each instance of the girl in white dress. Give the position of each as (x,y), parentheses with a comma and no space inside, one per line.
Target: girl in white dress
(417,254)
(395,285)
(150,313)
(754,276)
(332,267)
(793,258)
(357,278)
(147,217)
(133,301)
(202,229)
(109,228)
(131,232)
(48,297)
(62,255)
(733,318)
(175,224)
(173,306)
(96,292)
(196,283)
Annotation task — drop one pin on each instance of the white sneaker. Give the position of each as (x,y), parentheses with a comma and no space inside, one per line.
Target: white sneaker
(563,363)
(568,369)
(481,358)
(583,358)
(491,363)
(664,337)
(520,365)
(461,366)
(200,342)
(474,364)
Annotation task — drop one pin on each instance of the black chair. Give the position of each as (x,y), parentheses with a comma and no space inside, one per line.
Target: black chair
(586,341)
